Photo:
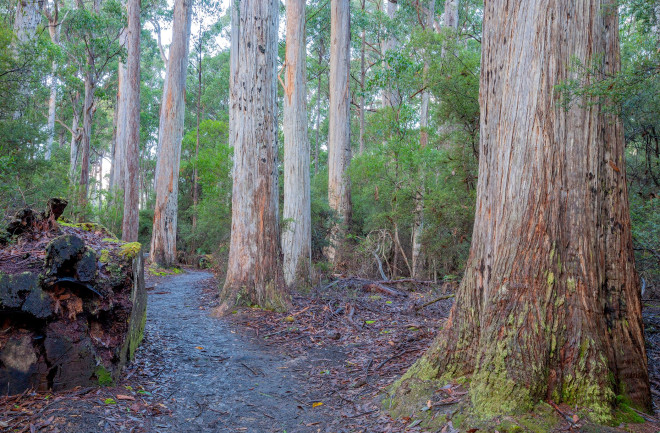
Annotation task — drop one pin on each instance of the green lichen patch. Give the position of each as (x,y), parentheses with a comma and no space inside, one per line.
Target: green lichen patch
(130,250)
(88,227)
(104,257)
(103,376)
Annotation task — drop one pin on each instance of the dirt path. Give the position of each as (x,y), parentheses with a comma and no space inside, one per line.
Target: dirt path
(215,380)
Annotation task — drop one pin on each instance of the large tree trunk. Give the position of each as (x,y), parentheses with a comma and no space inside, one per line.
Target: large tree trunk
(170,134)
(339,128)
(254,271)
(129,231)
(549,306)
(26,21)
(119,158)
(297,235)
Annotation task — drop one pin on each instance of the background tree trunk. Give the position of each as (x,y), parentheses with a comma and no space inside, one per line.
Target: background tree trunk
(26,21)
(170,134)
(54,27)
(254,271)
(297,236)
(418,222)
(339,128)
(87,114)
(363,75)
(75,137)
(130,224)
(549,306)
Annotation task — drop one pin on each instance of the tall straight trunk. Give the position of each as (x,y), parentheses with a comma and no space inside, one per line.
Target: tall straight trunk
(170,134)
(87,114)
(339,129)
(363,75)
(549,306)
(317,144)
(418,220)
(54,26)
(297,236)
(119,158)
(130,224)
(254,270)
(390,96)
(198,108)
(75,137)
(26,21)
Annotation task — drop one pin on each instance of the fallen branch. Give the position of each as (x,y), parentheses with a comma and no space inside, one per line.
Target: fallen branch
(375,287)
(405,280)
(393,357)
(441,298)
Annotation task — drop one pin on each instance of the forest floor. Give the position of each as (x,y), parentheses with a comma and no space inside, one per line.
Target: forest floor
(318,368)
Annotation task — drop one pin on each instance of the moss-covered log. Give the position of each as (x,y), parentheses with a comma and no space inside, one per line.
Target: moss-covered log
(549,307)
(72,305)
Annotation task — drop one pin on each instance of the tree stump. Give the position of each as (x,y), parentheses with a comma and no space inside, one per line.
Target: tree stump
(72,303)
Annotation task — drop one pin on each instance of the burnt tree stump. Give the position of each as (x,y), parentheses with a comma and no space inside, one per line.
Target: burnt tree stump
(72,303)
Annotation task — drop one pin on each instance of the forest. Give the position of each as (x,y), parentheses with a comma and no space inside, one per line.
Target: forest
(452,207)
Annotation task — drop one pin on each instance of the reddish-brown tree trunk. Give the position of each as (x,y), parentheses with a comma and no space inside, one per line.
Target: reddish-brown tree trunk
(170,134)
(549,307)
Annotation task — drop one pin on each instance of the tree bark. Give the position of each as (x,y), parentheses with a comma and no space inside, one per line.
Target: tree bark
(130,223)
(297,235)
(418,221)
(317,144)
(363,75)
(75,137)
(54,27)
(339,129)
(254,270)
(549,307)
(390,96)
(26,21)
(170,134)
(87,114)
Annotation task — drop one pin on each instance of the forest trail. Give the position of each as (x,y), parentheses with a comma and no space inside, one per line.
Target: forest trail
(214,379)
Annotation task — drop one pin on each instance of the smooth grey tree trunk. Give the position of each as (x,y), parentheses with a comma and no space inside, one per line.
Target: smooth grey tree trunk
(339,129)
(26,21)
(297,234)
(170,134)
(254,270)
(363,75)
(418,260)
(131,139)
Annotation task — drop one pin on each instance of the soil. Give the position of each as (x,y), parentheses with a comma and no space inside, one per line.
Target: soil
(318,368)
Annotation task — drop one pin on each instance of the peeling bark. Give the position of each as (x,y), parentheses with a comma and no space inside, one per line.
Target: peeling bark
(170,134)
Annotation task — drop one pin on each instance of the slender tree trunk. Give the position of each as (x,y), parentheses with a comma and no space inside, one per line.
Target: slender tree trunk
(75,137)
(317,144)
(87,114)
(362,79)
(119,158)
(130,224)
(297,235)
(54,27)
(339,129)
(549,306)
(170,134)
(198,107)
(418,221)
(390,96)
(254,270)
(26,21)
